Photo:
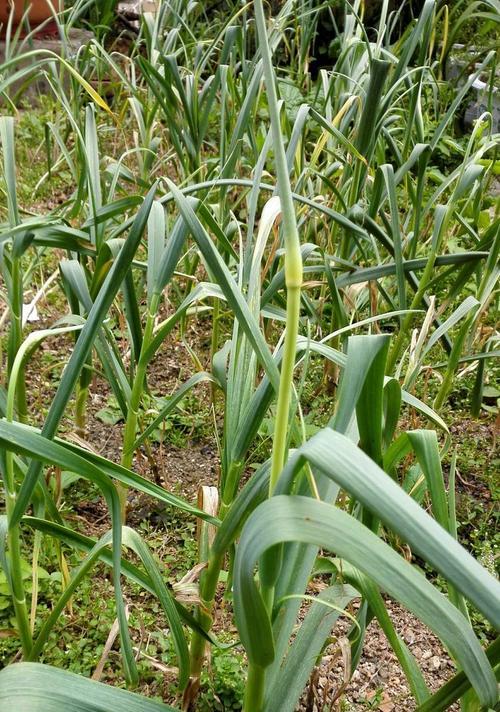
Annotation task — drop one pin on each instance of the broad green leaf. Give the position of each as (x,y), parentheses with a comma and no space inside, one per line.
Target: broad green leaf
(465,308)
(338,458)
(31,687)
(425,446)
(132,539)
(156,246)
(305,650)
(293,518)
(9,165)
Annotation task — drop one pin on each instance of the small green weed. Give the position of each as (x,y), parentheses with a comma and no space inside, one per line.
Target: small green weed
(223,690)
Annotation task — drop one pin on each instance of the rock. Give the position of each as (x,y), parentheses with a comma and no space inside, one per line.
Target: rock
(435,662)
(383,673)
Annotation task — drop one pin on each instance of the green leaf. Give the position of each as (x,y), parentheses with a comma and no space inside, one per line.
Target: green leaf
(80,542)
(171,402)
(375,600)
(31,687)
(82,348)
(307,646)
(294,518)
(30,441)
(135,542)
(425,446)
(9,167)
(227,284)
(339,459)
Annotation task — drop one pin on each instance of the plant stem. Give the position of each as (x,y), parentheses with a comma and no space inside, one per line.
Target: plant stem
(80,405)
(293,257)
(16,336)
(214,345)
(16,580)
(208,586)
(135,401)
(453,362)
(15,576)
(405,326)
(285,389)
(254,691)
